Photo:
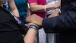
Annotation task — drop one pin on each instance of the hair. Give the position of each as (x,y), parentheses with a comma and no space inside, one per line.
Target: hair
(2,1)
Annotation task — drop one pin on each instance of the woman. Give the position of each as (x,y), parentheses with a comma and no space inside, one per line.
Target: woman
(10,30)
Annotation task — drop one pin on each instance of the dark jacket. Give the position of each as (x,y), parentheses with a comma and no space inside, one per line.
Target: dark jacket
(10,30)
(7,21)
(64,24)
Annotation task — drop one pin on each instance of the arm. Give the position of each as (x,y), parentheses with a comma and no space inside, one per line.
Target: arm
(63,22)
(13,8)
(30,36)
(40,8)
(56,13)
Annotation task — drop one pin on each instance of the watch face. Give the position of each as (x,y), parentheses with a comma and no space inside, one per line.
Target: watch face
(34,27)
(31,26)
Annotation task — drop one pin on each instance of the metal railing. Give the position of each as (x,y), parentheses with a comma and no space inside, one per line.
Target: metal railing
(46,38)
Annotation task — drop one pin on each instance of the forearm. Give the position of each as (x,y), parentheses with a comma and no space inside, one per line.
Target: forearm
(13,8)
(30,36)
(15,12)
(56,13)
(41,8)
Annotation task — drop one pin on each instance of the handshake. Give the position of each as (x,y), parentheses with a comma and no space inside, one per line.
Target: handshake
(34,19)
(37,20)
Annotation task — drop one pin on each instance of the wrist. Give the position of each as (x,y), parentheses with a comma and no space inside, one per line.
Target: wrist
(33,26)
(32,30)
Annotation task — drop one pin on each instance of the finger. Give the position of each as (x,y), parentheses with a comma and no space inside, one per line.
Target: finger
(28,19)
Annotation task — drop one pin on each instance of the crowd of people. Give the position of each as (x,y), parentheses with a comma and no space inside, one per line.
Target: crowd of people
(52,16)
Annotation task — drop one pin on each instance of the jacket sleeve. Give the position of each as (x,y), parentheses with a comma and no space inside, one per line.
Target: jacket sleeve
(61,23)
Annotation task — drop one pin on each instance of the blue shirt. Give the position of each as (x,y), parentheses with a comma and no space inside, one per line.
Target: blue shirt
(22,6)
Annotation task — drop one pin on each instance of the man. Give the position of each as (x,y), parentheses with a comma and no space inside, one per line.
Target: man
(64,24)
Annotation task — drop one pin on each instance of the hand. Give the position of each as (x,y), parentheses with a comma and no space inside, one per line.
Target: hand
(58,4)
(34,19)
(56,13)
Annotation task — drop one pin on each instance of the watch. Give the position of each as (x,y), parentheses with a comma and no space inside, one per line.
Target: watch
(33,26)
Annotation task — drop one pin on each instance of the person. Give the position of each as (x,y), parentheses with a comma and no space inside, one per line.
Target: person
(22,8)
(39,7)
(64,24)
(10,30)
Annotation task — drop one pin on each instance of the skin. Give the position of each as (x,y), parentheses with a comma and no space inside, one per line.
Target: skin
(13,7)
(56,13)
(36,19)
(30,36)
(40,8)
